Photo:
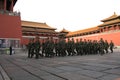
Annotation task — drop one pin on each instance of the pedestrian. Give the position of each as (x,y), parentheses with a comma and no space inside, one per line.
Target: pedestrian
(10,48)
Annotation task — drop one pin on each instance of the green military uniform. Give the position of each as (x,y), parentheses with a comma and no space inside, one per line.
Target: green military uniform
(37,48)
(73,47)
(49,46)
(57,52)
(46,48)
(30,48)
(102,46)
(77,46)
(106,46)
(111,46)
(80,47)
(69,46)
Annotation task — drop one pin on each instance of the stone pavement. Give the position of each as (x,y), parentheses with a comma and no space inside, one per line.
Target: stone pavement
(91,67)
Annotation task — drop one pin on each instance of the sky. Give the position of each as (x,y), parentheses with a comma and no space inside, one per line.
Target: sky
(72,15)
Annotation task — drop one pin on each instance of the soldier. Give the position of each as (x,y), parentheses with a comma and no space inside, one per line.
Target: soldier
(73,47)
(43,48)
(106,46)
(90,47)
(46,48)
(102,46)
(30,47)
(96,47)
(37,48)
(77,46)
(80,47)
(68,45)
(63,48)
(57,52)
(111,46)
(84,47)
(49,46)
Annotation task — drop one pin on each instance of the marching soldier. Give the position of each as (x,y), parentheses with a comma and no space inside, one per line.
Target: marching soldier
(106,46)
(80,47)
(57,48)
(49,46)
(63,48)
(111,46)
(84,47)
(77,46)
(73,47)
(37,48)
(46,48)
(96,47)
(30,48)
(43,48)
(102,46)
(68,45)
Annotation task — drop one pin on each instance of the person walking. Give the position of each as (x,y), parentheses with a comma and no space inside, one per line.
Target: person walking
(37,47)
(111,46)
(30,47)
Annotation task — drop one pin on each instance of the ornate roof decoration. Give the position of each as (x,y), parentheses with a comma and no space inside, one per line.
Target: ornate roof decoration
(110,20)
(64,31)
(114,16)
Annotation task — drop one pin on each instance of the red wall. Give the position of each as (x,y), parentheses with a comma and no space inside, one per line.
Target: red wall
(25,41)
(10,26)
(113,35)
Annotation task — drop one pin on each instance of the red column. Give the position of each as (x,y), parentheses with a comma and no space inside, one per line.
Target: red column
(107,28)
(11,7)
(117,27)
(112,28)
(5,4)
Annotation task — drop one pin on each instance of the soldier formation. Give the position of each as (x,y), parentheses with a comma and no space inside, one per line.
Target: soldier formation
(69,48)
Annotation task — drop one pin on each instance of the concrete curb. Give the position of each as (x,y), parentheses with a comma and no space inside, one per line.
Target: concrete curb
(4,74)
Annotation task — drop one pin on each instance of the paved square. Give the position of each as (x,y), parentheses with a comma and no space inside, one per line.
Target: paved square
(91,67)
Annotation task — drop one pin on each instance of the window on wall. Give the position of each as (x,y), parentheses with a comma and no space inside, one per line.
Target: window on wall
(5,43)
(14,43)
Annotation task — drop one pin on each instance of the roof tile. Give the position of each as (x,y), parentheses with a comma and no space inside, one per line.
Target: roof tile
(35,25)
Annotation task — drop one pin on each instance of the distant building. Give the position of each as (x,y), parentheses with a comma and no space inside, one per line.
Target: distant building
(63,33)
(108,30)
(42,30)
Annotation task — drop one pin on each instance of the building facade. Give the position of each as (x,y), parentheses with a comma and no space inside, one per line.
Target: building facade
(108,30)
(10,25)
(31,30)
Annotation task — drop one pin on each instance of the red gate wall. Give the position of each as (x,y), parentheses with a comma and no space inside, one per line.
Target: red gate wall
(113,35)
(10,26)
